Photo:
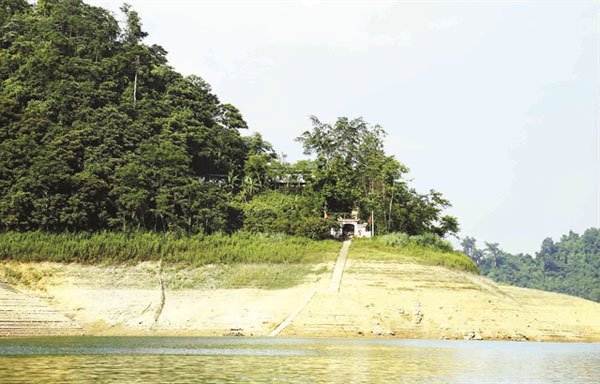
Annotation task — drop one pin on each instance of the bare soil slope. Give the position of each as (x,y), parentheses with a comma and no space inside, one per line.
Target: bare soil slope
(376,299)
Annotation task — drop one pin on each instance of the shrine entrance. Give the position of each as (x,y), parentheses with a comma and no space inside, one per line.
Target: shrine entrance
(348,230)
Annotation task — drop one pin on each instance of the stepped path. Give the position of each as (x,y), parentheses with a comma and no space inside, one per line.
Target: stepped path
(334,286)
(336,278)
(23,315)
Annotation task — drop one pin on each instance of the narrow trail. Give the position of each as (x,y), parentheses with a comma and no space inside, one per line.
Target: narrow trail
(334,286)
(336,278)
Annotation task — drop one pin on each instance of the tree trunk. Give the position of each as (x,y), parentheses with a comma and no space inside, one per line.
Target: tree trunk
(372,224)
(137,68)
(390,212)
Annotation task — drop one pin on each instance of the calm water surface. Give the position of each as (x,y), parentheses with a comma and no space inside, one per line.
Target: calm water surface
(243,360)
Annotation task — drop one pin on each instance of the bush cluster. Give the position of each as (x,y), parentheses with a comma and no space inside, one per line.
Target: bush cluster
(286,212)
(427,240)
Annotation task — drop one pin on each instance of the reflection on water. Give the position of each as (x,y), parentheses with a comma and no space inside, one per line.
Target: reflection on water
(226,360)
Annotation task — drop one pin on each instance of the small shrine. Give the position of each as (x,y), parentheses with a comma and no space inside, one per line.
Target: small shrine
(351,227)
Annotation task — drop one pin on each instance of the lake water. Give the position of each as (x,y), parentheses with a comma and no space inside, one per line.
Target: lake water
(281,360)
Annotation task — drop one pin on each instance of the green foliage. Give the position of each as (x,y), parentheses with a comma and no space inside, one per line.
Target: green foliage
(98,132)
(8,8)
(124,247)
(353,171)
(427,249)
(427,240)
(257,145)
(314,228)
(286,212)
(570,266)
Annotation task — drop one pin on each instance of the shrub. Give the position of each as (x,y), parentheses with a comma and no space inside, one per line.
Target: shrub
(427,240)
(289,213)
(314,228)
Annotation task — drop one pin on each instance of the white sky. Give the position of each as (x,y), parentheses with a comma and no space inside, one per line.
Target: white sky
(494,104)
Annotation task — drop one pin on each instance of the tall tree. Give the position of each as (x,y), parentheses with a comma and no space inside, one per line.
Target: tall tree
(353,171)
(132,37)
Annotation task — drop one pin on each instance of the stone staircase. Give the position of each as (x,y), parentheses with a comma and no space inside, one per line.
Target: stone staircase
(23,315)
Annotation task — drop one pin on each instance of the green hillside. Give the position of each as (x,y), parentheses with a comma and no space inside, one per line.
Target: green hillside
(571,265)
(98,132)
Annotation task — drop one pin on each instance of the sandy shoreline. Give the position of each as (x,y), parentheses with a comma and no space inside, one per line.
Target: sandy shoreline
(376,299)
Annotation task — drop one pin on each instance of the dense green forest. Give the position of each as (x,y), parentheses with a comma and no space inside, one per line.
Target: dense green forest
(98,132)
(571,265)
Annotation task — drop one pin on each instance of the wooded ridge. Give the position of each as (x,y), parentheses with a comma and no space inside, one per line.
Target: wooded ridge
(98,132)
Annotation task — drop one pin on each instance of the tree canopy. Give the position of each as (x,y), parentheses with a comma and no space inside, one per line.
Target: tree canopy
(571,265)
(353,171)
(98,132)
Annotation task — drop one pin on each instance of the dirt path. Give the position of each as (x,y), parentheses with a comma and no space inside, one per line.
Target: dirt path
(336,278)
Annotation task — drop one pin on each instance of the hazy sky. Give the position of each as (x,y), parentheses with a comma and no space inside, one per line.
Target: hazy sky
(494,104)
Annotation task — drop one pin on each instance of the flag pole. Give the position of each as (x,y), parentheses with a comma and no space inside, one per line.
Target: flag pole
(372,224)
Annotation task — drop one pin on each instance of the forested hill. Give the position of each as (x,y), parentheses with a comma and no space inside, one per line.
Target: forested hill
(571,265)
(98,132)
(95,126)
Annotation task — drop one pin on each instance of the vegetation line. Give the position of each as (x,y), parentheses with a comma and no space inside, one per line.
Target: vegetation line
(195,250)
(424,249)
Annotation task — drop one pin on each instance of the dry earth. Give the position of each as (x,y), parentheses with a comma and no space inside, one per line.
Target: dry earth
(376,299)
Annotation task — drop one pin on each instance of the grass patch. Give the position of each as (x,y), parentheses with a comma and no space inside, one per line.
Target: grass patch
(10,275)
(373,249)
(134,247)
(175,276)
(264,276)
(22,275)
(241,260)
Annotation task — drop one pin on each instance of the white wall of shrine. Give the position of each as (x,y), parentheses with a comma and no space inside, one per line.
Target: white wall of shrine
(360,230)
